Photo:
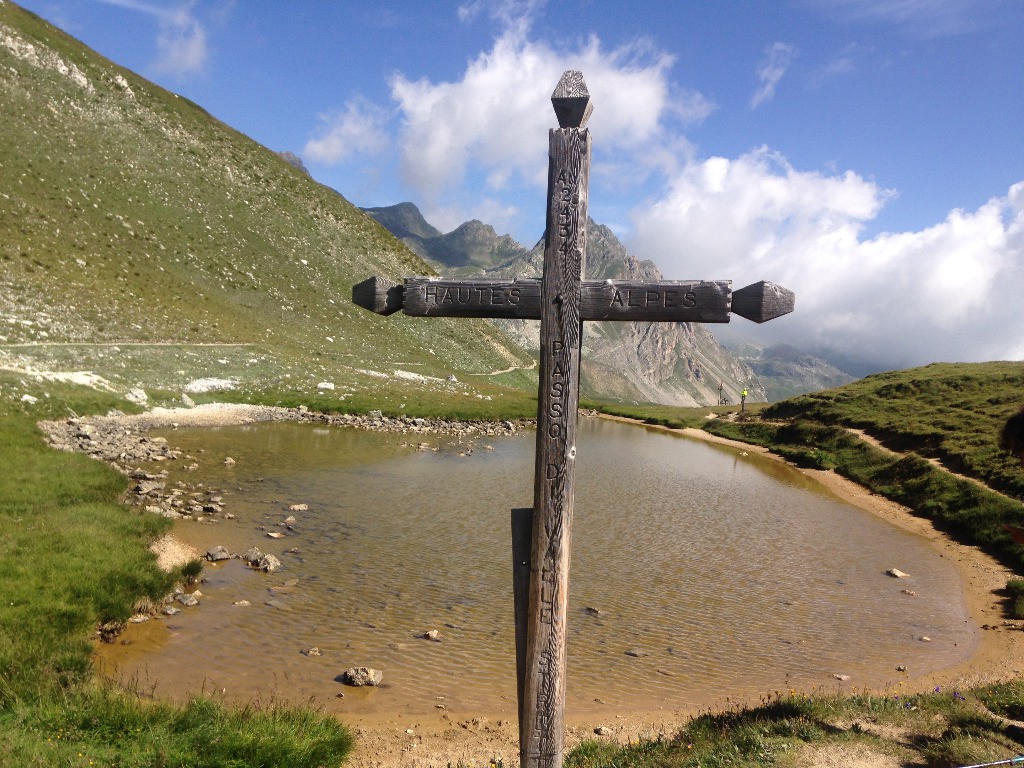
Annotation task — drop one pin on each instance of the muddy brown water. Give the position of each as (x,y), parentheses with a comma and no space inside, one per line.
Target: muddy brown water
(698,572)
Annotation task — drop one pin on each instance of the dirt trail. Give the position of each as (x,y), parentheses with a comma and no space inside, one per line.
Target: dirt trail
(937,463)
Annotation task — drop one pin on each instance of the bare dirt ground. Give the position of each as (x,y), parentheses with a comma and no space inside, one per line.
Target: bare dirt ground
(440,740)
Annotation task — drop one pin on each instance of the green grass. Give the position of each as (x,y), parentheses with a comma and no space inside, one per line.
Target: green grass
(104,726)
(939,729)
(1015,593)
(952,412)
(72,557)
(166,226)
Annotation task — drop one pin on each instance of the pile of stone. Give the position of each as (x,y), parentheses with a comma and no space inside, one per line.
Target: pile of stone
(181,500)
(378,422)
(107,441)
(253,557)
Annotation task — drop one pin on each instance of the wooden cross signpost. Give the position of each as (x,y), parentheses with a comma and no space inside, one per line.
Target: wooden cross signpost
(561,300)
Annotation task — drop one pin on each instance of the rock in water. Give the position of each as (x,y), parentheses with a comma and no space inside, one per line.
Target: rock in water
(218,553)
(261,560)
(362,676)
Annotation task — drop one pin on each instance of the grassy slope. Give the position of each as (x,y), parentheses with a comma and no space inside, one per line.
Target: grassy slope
(146,242)
(73,557)
(138,218)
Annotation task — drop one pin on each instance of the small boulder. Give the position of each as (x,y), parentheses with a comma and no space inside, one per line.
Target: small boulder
(261,561)
(360,676)
(896,573)
(431,634)
(603,730)
(218,553)
(187,600)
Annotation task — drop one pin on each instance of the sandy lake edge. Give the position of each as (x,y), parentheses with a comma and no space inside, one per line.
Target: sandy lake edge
(441,740)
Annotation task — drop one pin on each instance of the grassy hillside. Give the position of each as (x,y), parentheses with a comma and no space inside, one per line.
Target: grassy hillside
(950,412)
(149,243)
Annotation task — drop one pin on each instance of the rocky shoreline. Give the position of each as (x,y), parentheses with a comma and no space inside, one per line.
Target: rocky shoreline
(120,440)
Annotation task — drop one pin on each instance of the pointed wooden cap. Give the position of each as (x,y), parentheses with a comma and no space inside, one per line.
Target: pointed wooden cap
(571,100)
(763,301)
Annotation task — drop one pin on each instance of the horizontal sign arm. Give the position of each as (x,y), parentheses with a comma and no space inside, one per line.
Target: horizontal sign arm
(704,301)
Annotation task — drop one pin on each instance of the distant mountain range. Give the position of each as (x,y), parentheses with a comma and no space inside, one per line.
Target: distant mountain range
(147,242)
(670,363)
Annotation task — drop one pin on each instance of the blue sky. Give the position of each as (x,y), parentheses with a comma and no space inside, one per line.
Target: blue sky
(868,154)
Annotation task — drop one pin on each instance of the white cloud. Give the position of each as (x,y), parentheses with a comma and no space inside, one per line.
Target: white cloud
(777,58)
(842,63)
(495,118)
(181,42)
(181,46)
(920,18)
(361,128)
(949,292)
(470,145)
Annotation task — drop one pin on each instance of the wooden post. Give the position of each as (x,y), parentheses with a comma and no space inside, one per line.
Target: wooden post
(522,540)
(542,727)
(562,300)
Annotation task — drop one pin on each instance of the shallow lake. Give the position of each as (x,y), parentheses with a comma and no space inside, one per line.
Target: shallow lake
(698,572)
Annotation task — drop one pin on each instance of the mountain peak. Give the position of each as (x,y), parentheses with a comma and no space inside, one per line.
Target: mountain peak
(404,221)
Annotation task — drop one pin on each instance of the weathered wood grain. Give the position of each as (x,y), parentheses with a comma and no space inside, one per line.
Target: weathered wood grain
(378,294)
(692,301)
(439,297)
(522,540)
(763,301)
(669,301)
(542,730)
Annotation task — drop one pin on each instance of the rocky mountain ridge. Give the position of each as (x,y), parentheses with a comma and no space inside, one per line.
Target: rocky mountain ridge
(669,363)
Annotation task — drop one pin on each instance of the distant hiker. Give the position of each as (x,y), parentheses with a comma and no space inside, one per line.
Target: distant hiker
(1011,439)
(743,400)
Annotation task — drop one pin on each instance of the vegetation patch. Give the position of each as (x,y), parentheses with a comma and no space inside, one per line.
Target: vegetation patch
(939,729)
(71,558)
